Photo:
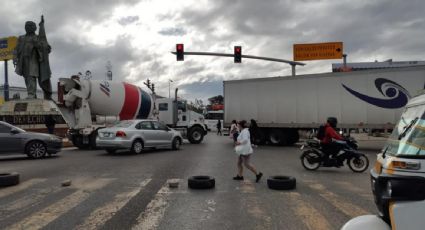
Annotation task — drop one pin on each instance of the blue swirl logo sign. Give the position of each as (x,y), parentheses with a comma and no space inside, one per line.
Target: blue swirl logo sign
(396,95)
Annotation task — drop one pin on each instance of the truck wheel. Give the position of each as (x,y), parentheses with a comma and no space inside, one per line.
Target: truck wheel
(294,136)
(77,141)
(195,135)
(9,179)
(278,137)
(36,149)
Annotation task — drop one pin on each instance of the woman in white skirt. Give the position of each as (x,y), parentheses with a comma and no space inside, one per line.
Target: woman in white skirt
(244,150)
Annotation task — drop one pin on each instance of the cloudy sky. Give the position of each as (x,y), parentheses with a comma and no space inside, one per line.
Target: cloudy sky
(136,36)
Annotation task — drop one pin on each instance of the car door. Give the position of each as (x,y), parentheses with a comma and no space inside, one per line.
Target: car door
(9,142)
(147,133)
(163,134)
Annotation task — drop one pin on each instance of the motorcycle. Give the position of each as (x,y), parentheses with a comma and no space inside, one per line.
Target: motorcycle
(314,157)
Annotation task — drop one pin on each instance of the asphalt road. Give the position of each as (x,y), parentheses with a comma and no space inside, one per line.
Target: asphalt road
(125,191)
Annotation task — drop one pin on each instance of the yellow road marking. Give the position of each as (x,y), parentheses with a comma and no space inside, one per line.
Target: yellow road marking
(98,217)
(22,186)
(52,212)
(347,208)
(310,216)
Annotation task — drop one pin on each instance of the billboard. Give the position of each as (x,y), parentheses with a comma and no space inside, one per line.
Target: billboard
(7,45)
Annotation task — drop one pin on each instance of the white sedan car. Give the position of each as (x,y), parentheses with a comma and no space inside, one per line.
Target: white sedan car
(137,135)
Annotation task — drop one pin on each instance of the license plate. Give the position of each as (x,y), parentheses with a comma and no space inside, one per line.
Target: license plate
(302,147)
(106,134)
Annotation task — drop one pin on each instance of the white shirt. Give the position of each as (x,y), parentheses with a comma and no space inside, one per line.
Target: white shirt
(245,139)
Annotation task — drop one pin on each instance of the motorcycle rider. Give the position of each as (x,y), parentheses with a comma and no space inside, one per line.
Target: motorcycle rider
(327,135)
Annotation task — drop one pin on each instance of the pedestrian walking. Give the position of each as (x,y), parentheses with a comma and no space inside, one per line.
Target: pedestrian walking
(50,123)
(219,128)
(244,150)
(234,132)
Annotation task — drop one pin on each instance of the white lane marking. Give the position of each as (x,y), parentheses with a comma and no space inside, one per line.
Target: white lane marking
(44,217)
(22,186)
(155,210)
(98,217)
(310,216)
(21,204)
(346,207)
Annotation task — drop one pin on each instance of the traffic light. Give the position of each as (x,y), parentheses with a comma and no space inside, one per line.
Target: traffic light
(148,83)
(180,52)
(238,54)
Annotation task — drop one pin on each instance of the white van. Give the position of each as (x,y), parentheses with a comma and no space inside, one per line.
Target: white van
(398,178)
(211,119)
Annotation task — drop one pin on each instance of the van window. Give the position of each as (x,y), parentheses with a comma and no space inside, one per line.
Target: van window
(163,106)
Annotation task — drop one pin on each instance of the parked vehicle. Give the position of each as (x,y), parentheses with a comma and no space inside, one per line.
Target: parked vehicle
(398,177)
(35,145)
(88,105)
(315,157)
(211,119)
(136,135)
(371,99)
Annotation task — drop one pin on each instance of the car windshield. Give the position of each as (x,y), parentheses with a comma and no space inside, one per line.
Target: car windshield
(124,124)
(408,137)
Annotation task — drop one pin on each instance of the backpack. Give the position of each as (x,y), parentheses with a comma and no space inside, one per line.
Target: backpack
(321,132)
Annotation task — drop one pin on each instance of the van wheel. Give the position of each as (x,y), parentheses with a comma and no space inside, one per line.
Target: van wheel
(195,135)
(177,142)
(137,147)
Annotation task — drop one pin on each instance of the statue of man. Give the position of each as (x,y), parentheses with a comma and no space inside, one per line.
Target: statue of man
(32,60)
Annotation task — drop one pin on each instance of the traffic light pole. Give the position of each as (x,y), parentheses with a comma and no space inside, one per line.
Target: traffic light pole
(292,63)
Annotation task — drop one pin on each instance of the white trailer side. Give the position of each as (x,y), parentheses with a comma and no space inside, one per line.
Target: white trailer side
(361,99)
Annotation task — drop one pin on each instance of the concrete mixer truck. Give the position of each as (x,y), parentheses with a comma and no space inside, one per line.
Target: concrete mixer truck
(88,105)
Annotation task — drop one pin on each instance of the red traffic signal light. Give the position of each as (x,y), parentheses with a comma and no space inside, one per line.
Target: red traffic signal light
(180,52)
(238,54)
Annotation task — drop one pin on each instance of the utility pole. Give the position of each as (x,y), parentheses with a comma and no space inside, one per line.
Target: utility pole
(6,82)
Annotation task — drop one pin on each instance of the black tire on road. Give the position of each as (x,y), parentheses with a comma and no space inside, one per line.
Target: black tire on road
(195,135)
(177,142)
(281,182)
(9,179)
(358,164)
(201,182)
(137,147)
(36,149)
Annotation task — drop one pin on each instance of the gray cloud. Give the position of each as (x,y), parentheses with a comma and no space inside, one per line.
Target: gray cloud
(128,20)
(172,32)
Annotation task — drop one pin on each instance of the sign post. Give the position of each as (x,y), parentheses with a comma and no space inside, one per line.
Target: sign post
(7,46)
(318,51)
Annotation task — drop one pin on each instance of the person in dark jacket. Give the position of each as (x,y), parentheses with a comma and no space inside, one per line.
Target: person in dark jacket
(50,123)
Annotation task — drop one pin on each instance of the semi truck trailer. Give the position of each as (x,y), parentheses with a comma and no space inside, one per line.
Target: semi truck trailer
(282,106)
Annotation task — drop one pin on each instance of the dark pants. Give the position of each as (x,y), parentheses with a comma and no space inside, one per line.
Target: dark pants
(51,129)
(331,149)
(235,137)
(219,131)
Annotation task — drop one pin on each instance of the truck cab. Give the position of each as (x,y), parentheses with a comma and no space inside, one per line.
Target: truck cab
(398,178)
(175,113)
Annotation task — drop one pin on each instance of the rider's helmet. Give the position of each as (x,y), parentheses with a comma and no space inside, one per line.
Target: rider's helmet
(332,121)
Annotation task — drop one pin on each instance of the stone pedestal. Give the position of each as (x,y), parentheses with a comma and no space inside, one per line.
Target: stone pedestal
(30,114)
